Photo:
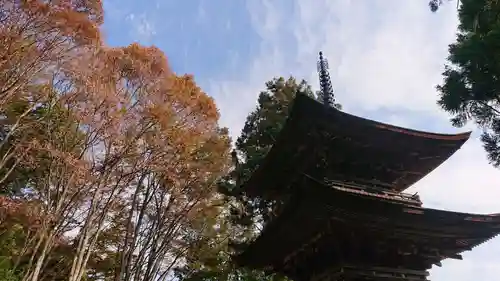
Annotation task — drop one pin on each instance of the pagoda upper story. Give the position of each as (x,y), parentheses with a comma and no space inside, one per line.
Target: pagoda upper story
(352,150)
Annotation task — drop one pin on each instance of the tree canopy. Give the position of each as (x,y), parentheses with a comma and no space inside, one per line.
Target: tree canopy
(259,133)
(470,91)
(108,160)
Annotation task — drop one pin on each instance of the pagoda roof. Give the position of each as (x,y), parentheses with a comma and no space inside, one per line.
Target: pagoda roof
(357,150)
(326,224)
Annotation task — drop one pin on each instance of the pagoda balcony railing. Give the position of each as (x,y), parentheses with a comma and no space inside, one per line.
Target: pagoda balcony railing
(411,199)
(372,273)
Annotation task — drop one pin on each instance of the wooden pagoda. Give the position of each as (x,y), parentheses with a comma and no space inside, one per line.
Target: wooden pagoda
(343,213)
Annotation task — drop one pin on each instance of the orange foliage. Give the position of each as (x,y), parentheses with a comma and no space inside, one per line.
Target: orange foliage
(36,36)
(140,121)
(111,136)
(150,124)
(19,212)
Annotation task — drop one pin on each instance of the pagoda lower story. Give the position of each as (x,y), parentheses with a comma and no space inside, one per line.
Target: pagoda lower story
(329,232)
(343,214)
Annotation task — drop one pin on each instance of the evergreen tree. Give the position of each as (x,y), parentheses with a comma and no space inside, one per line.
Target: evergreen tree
(471,87)
(261,129)
(247,215)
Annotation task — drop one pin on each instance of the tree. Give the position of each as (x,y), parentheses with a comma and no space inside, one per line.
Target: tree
(245,216)
(38,38)
(177,150)
(470,91)
(145,166)
(18,221)
(261,129)
(108,160)
(128,146)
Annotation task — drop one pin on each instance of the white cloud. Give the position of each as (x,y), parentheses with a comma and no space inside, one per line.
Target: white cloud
(383,55)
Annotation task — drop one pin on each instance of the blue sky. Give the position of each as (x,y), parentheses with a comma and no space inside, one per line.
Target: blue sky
(386,57)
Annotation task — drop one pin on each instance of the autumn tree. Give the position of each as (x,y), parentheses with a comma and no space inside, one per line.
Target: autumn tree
(470,91)
(185,153)
(152,151)
(119,155)
(131,147)
(18,221)
(37,38)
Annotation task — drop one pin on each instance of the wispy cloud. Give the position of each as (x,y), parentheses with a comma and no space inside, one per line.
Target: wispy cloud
(383,54)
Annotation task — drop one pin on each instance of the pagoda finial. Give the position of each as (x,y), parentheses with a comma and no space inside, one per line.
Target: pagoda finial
(324,81)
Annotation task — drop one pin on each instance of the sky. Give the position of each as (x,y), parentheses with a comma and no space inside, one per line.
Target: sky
(385,56)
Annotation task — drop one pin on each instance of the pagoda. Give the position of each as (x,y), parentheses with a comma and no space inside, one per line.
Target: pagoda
(343,214)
